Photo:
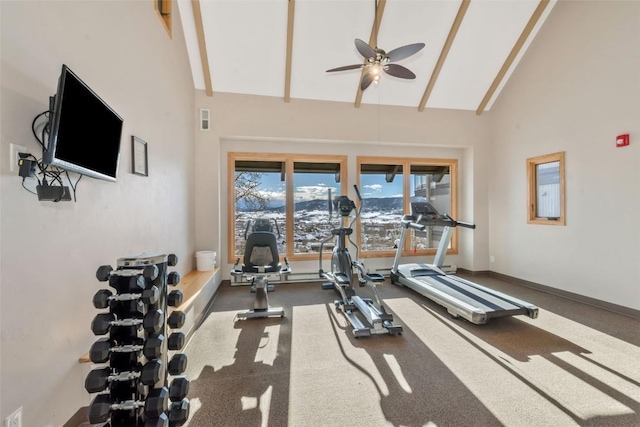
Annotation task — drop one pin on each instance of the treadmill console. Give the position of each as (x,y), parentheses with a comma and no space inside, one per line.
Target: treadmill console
(425,209)
(425,214)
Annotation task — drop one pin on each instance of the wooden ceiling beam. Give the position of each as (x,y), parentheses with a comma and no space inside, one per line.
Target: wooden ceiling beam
(373,42)
(443,54)
(512,55)
(204,58)
(287,75)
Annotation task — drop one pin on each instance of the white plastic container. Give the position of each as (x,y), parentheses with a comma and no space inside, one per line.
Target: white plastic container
(205,260)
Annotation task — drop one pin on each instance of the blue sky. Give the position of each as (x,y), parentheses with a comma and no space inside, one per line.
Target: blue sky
(315,186)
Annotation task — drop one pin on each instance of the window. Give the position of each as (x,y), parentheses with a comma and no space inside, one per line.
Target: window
(163,9)
(311,184)
(388,187)
(545,176)
(430,183)
(381,187)
(259,193)
(292,191)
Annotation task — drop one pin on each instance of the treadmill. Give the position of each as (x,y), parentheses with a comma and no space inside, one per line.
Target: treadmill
(462,298)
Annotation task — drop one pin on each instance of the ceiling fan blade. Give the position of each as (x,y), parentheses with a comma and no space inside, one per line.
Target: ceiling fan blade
(364,49)
(398,71)
(346,67)
(367,79)
(404,51)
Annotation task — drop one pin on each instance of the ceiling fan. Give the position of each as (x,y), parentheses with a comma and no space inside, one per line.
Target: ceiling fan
(377,60)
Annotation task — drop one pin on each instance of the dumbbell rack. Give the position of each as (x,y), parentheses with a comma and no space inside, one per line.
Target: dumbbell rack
(133,385)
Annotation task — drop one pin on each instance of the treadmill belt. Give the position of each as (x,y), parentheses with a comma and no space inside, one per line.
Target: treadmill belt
(468,293)
(474,296)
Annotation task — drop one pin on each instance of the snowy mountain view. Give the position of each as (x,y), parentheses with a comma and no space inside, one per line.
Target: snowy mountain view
(380,219)
(264,195)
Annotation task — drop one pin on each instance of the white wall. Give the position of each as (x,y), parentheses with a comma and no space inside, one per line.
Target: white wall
(576,89)
(50,251)
(266,124)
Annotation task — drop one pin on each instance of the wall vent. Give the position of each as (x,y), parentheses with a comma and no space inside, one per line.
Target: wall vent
(205,121)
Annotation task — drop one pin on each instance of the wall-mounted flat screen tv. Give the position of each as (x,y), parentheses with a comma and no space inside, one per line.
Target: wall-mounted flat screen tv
(85,133)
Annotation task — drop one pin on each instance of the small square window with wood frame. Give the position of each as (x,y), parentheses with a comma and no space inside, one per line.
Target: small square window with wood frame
(546,202)
(163,8)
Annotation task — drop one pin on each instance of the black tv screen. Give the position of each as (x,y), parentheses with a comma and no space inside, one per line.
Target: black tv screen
(85,132)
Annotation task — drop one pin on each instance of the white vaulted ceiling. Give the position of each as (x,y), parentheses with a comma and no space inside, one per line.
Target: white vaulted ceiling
(282,48)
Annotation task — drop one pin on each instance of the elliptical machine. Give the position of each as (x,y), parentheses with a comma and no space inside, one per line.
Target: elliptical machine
(342,277)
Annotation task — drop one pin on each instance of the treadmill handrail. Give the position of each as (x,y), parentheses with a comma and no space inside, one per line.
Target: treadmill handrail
(442,220)
(455,223)
(413,225)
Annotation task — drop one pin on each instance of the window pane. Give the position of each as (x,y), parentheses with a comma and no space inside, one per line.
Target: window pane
(311,184)
(548,190)
(382,207)
(258,195)
(430,184)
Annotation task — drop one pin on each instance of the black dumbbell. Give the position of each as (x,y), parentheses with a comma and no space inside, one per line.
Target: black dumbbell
(156,403)
(103,296)
(99,379)
(132,308)
(101,349)
(103,272)
(174,299)
(173,278)
(178,364)
(147,272)
(150,272)
(161,421)
(176,320)
(176,341)
(178,389)
(128,284)
(179,412)
(152,322)
(172,260)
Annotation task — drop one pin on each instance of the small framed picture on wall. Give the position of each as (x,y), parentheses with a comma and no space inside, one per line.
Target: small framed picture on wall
(139,162)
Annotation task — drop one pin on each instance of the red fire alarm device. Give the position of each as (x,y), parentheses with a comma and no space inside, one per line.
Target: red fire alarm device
(622,140)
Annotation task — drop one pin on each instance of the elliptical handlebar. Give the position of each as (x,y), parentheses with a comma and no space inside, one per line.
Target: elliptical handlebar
(355,187)
(358,210)
(320,270)
(355,218)
(246,229)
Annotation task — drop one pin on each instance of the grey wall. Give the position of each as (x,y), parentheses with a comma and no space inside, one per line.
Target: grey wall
(50,251)
(576,89)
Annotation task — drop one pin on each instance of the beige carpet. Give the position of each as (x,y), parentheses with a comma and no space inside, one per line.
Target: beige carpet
(574,365)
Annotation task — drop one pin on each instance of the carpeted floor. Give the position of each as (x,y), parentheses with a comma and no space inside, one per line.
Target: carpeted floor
(574,365)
